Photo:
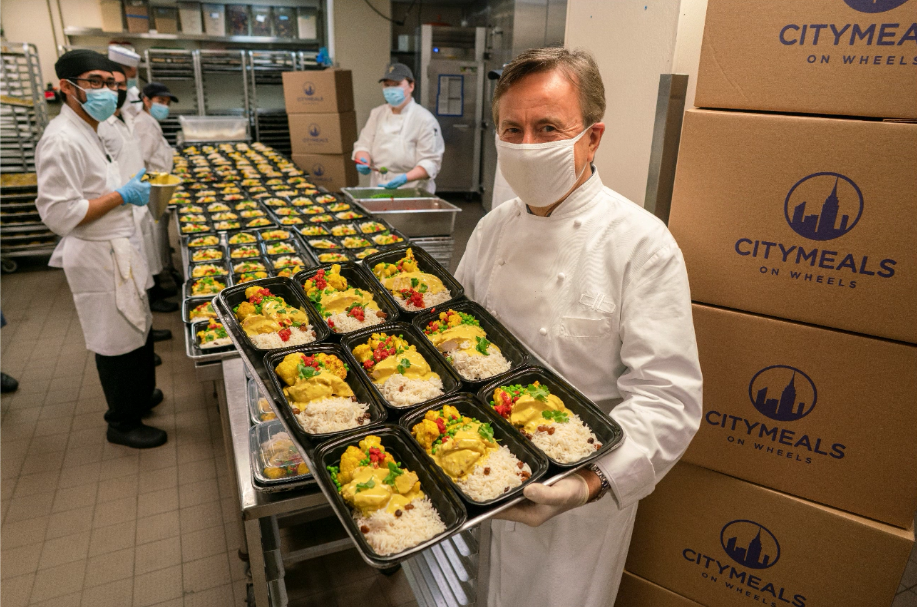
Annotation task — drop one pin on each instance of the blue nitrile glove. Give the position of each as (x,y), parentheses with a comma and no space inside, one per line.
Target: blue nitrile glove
(136,192)
(362,169)
(396,182)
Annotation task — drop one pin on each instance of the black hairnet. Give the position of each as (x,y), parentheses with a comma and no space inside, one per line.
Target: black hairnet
(73,63)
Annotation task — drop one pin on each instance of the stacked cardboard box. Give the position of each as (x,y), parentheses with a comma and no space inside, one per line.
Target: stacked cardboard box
(323,125)
(798,233)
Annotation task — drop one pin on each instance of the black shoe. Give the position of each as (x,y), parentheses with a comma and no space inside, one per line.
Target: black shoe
(141,437)
(155,399)
(156,360)
(8,384)
(163,305)
(157,292)
(161,334)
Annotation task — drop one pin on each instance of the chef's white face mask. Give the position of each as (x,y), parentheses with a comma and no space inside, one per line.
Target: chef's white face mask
(540,173)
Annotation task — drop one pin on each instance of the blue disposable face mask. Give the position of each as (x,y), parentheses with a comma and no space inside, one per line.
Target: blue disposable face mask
(159,111)
(394,95)
(100,103)
(132,82)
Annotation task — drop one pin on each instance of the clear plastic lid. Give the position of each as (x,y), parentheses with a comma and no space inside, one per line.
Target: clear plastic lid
(275,457)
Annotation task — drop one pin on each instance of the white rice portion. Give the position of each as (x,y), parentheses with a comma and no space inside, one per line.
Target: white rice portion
(479,367)
(570,441)
(429,300)
(503,476)
(346,324)
(401,391)
(331,415)
(272,341)
(389,534)
(216,343)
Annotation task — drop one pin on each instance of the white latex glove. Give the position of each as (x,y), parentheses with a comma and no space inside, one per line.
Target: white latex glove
(545,502)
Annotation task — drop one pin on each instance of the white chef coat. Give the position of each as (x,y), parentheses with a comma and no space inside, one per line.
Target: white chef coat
(156,151)
(132,106)
(106,272)
(401,142)
(125,149)
(599,291)
(157,156)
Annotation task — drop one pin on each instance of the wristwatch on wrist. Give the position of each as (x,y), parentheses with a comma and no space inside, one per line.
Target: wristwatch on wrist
(605,484)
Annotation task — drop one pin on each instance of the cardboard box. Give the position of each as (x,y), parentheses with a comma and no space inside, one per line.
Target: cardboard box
(165,18)
(331,171)
(850,57)
(191,19)
(323,133)
(810,219)
(318,92)
(725,542)
(637,592)
(112,16)
(137,15)
(821,414)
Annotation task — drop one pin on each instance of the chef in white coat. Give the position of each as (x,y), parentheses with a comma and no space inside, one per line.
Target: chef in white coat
(401,145)
(124,148)
(129,61)
(82,197)
(118,135)
(597,287)
(156,151)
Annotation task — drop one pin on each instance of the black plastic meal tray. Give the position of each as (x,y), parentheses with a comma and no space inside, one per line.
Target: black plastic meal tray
(602,425)
(281,287)
(357,382)
(511,348)
(468,405)
(359,279)
(251,231)
(190,303)
(451,381)
(199,325)
(425,263)
(221,263)
(290,233)
(409,457)
(189,284)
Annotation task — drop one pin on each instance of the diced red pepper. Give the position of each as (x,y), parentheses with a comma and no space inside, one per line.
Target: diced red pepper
(441,424)
(284,334)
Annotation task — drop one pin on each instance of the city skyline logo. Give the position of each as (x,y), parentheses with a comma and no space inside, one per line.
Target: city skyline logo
(750,544)
(823,206)
(318,170)
(314,130)
(308,88)
(874,6)
(782,393)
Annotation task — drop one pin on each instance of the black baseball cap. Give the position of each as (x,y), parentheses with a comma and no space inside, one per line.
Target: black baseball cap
(158,89)
(397,72)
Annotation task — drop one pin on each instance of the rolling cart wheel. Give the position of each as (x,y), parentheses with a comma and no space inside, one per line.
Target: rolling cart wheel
(250,595)
(8,266)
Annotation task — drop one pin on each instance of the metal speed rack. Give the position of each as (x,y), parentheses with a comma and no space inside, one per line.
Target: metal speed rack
(23,113)
(229,83)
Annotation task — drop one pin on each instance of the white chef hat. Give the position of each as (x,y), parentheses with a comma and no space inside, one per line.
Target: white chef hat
(123,56)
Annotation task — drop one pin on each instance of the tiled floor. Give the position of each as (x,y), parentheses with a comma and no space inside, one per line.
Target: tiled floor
(88,523)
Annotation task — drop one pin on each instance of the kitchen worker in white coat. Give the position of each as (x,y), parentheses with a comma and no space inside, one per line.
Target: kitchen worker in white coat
(597,287)
(120,143)
(118,135)
(401,145)
(129,61)
(82,197)
(156,151)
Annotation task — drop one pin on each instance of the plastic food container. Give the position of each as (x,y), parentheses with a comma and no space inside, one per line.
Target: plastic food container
(283,287)
(409,456)
(357,382)
(504,432)
(256,411)
(261,23)
(357,278)
(511,348)
(189,304)
(276,462)
(438,364)
(425,263)
(609,433)
(200,325)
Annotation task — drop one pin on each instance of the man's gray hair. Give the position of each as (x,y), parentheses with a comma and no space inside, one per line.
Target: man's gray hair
(577,66)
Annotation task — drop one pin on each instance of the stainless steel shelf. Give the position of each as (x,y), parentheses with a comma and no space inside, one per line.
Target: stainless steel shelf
(98,33)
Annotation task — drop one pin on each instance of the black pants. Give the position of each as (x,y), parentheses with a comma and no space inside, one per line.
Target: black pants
(128,381)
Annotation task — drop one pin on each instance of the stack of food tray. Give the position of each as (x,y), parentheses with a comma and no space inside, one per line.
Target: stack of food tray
(393,392)
(22,231)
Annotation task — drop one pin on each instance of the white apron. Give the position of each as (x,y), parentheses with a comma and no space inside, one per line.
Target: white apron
(391,149)
(157,155)
(562,285)
(108,278)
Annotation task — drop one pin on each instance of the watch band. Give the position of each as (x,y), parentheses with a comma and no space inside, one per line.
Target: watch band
(605,484)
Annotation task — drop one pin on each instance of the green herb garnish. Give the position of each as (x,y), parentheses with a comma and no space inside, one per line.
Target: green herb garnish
(482,346)
(393,472)
(538,392)
(367,485)
(403,366)
(486,432)
(306,372)
(558,416)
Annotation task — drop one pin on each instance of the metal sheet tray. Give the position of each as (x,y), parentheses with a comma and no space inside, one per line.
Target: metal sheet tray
(415,216)
(356,194)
